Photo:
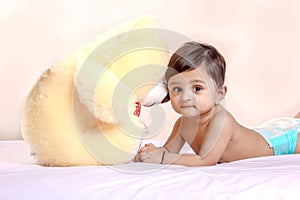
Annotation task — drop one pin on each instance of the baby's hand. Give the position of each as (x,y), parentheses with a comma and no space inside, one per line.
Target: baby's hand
(150,154)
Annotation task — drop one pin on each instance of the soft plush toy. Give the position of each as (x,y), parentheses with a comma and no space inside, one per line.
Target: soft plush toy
(83,110)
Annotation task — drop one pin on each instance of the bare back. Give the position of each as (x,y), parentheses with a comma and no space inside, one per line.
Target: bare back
(245,143)
(224,136)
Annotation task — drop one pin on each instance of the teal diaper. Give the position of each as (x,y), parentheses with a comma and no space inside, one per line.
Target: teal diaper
(281,134)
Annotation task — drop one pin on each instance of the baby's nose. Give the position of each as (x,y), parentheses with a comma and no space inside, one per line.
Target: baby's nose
(186,96)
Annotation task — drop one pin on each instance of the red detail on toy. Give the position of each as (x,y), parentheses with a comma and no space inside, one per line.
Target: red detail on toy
(137,111)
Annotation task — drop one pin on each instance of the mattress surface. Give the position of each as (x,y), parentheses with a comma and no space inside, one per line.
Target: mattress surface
(275,177)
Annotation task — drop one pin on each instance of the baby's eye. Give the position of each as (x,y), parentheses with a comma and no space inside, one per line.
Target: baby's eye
(197,88)
(177,89)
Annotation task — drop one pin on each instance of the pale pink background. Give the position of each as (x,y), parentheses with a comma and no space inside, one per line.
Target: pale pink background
(259,39)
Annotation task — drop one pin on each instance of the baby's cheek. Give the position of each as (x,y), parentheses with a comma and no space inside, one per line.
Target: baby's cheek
(175,106)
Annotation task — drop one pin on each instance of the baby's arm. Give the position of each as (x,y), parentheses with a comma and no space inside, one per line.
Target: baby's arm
(175,141)
(218,137)
(151,153)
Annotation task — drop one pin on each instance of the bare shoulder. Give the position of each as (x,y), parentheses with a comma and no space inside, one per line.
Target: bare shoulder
(219,134)
(224,117)
(224,123)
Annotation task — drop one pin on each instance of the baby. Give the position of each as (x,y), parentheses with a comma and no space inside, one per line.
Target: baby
(195,82)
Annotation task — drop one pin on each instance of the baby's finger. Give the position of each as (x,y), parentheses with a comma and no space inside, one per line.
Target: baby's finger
(148,160)
(136,158)
(149,144)
(143,157)
(143,149)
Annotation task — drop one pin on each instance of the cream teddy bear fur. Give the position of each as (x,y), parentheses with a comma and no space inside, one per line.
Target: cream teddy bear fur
(80,111)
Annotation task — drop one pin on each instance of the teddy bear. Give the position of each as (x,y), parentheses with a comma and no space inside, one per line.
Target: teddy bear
(84,110)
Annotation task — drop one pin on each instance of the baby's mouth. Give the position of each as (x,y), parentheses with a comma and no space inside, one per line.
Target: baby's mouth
(187,106)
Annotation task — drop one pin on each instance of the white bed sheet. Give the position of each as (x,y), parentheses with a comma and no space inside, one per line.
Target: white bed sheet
(275,177)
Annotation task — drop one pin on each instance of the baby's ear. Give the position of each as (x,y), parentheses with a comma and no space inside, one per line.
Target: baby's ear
(222,92)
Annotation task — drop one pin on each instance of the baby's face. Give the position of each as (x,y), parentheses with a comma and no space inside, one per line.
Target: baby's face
(192,93)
